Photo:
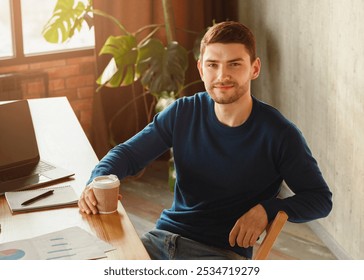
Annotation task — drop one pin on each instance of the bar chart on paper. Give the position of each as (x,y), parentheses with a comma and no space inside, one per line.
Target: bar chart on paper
(59,249)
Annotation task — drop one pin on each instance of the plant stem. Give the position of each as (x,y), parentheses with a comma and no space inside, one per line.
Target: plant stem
(188,31)
(148,36)
(110,17)
(169,20)
(135,107)
(188,85)
(151,108)
(146,108)
(149,26)
(115,116)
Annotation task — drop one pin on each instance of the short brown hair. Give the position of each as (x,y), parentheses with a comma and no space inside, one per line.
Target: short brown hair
(230,32)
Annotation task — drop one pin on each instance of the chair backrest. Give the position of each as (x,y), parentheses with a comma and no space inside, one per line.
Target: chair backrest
(272,231)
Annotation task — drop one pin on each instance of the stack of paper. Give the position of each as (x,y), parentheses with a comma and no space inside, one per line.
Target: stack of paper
(69,244)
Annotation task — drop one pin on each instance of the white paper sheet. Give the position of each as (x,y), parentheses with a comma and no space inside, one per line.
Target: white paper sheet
(69,244)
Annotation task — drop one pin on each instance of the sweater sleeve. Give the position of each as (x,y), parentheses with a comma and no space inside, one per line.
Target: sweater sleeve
(130,157)
(312,197)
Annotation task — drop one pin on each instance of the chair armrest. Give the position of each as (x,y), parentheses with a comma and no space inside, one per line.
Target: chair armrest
(272,231)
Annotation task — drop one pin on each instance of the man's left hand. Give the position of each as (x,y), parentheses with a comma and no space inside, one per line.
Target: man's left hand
(249,227)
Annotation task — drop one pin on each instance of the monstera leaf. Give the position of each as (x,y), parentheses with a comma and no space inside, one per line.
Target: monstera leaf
(121,68)
(162,69)
(64,21)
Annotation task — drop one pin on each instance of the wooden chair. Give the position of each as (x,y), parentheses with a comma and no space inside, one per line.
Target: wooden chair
(272,231)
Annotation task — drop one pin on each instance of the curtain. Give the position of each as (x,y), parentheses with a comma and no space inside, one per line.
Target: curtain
(194,15)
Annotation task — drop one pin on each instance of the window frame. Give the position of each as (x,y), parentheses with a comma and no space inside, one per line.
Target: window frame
(17,39)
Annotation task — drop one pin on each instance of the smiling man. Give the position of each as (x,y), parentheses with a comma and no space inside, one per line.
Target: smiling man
(227,71)
(232,153)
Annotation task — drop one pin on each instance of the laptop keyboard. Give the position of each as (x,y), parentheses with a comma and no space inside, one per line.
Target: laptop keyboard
(25,171)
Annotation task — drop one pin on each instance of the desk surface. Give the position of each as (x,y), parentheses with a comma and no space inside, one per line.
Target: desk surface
(62,141)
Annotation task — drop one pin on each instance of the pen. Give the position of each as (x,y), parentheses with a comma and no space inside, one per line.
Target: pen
(43,195)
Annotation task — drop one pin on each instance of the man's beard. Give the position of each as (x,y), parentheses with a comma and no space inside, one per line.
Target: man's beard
(228,97)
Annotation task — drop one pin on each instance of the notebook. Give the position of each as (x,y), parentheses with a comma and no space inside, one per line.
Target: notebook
(62,196)
(20,164)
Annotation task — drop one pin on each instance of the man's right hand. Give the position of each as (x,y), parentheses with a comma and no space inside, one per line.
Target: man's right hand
(87,202)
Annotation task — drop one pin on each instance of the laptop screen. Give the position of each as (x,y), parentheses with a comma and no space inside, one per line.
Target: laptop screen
(18,144)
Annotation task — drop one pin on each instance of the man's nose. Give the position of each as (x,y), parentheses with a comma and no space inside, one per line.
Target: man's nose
(223,73)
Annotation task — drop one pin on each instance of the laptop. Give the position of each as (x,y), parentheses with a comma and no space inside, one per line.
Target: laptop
(20,164)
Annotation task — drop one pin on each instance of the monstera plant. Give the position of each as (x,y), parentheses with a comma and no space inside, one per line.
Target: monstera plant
(159,68)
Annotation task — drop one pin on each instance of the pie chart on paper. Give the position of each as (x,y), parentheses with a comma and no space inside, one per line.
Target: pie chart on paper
(11,254)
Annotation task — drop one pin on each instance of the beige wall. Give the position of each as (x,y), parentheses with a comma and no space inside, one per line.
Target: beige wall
(313,71)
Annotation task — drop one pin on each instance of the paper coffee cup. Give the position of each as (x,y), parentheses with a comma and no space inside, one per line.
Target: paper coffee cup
(106,190)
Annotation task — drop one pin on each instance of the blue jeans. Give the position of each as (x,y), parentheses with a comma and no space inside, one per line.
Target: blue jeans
(164,245)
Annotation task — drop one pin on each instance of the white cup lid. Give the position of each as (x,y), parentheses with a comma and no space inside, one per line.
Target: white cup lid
(106,182)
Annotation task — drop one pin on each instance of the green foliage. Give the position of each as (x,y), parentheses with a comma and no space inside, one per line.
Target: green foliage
(160,69)
(66,18)
(124,52)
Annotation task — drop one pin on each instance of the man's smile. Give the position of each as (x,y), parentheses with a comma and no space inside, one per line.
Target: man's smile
(224,86)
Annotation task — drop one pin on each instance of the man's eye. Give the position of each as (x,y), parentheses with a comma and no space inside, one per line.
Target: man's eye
(211,65)
(235,64)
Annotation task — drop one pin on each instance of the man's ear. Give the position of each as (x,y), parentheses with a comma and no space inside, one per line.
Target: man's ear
(199,67)
(256,68)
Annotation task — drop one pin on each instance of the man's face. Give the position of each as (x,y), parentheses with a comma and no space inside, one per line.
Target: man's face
(226,70)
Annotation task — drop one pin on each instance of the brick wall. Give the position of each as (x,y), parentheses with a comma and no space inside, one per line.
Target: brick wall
(72,77)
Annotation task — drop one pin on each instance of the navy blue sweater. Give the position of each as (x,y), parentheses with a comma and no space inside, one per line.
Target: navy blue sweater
(224,171)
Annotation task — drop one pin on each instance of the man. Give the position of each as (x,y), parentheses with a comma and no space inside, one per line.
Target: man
(231,154)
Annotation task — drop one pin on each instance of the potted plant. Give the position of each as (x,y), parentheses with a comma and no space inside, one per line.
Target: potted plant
(158,67)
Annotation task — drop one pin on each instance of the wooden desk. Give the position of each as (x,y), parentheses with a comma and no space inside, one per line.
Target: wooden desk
(62,141)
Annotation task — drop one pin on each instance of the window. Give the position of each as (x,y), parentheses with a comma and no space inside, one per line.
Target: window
(22,22)
(6,44)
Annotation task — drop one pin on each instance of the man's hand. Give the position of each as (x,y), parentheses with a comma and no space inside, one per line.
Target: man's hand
(249,227)
(87,202)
